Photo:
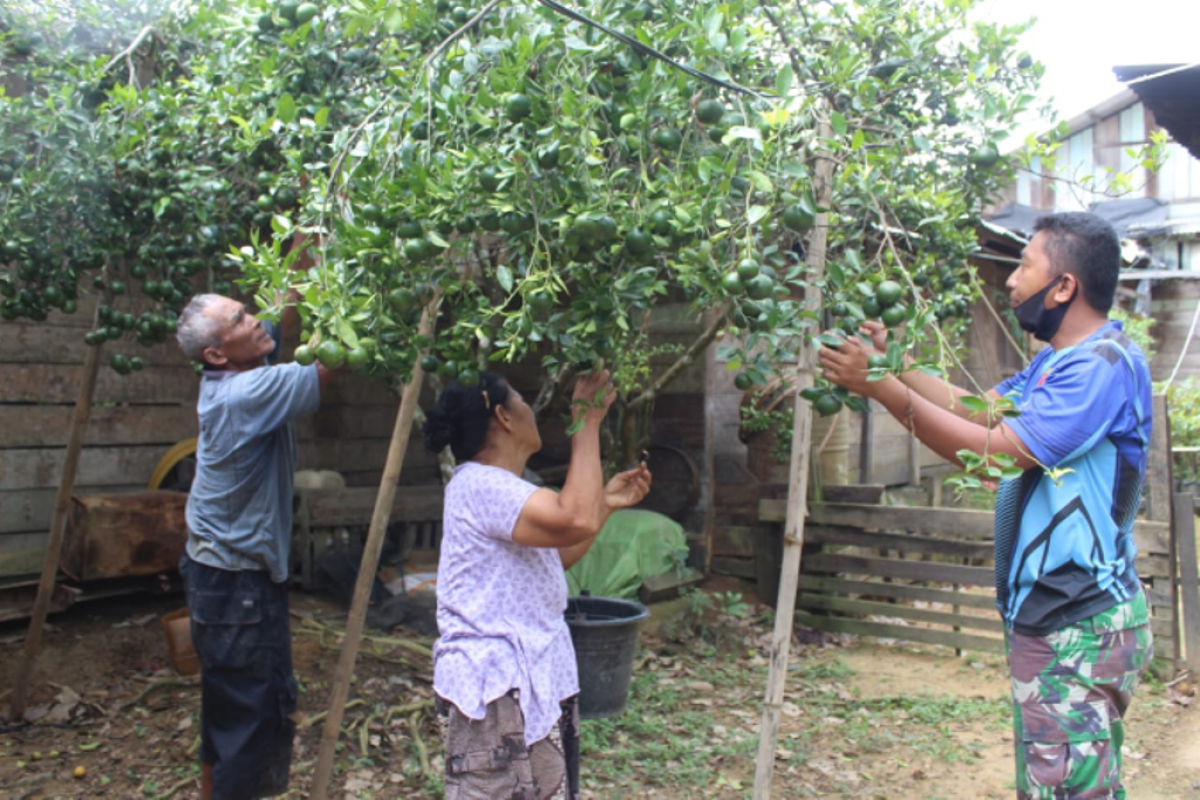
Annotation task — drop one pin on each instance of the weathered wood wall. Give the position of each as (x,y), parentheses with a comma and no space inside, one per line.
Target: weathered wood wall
(1173,305)
(932,569)
(136,419)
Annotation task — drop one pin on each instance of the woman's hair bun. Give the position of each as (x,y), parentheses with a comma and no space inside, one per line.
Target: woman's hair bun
(438,430)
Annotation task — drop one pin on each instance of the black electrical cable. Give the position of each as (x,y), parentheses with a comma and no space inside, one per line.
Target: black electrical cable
(645,49)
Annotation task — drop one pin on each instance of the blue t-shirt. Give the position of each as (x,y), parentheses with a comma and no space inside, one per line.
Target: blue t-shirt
(1064,548)
(239,512)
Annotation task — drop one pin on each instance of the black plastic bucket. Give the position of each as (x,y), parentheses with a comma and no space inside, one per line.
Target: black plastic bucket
(604,631)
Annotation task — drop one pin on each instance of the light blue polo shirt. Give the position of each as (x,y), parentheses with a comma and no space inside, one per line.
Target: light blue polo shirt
(239,513)
(1065,549)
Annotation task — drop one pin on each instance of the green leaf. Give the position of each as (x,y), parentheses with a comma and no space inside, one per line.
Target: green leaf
(755,213)
(742,132)
(784,80)
(321,117)
(505,277)
(838,123)
(286,112)
(1011,473)
(976,405)
(831,340)
(346,333)
(835,272)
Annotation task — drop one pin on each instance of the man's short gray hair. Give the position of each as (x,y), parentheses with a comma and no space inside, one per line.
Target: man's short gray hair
(195,331)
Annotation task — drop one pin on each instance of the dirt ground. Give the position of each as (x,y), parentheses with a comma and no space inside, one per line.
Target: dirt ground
(117,710)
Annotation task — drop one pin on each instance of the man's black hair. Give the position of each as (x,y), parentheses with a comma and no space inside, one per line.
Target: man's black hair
(1086,246)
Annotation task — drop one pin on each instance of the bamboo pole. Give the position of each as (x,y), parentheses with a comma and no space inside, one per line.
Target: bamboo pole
(370,562)
(797,507)
(58,521)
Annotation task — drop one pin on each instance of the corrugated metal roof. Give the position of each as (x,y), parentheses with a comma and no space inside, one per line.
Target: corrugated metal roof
(1172,92)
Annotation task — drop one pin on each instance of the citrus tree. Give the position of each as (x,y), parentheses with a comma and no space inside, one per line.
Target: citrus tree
(550,181)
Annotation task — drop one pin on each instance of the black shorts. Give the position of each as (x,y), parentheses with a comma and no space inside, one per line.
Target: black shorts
(241,633)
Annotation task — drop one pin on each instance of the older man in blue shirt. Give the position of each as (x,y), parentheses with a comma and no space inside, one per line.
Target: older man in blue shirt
(239,517)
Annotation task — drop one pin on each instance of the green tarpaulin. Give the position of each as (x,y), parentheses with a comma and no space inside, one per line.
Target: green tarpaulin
(631,547)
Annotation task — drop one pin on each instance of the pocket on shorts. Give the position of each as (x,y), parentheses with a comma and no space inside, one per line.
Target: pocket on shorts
(1065,722)
(226,626)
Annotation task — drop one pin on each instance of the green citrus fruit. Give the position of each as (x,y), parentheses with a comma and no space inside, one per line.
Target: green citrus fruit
(985,157)
(430,363)
(827,405)
(489,179)
(121,364)
(748,269)
(888,293)
(468,376)
(371,213)
(743,381)
(877,361)
(410,229)
(541,301)
(639,242)
(517,107)
(548,158)
(760,287)
(418,249)
(358,357)
(137,363)
(871,307)
(798,218)
(660,221)
(306,12)
(710,111)
(894,315)
(331,354)
(304,355)
(668,138)
(732,284)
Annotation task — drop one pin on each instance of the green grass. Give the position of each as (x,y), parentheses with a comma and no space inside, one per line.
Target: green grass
(666,741)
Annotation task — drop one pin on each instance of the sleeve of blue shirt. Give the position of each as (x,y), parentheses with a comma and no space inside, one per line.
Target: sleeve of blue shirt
(1074,408)
(269,397)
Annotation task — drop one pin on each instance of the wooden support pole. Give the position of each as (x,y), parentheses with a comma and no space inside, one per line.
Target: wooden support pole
(58,523)
(370,563)
(914,460)
(797,507)
(1158,466)
(1184,524)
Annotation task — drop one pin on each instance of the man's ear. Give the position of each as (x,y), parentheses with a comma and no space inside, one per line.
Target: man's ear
(1068,287)
(214,357)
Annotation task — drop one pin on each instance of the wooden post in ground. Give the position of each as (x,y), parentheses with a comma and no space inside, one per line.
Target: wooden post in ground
(1184,525)
(58,522)
(797,507)
(370,563)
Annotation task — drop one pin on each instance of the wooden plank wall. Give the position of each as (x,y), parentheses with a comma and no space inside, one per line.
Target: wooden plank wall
(136,419)
(1173,305)
(926,575)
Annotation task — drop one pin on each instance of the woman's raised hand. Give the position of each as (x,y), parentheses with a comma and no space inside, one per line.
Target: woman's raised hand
(627,488)
(594,394)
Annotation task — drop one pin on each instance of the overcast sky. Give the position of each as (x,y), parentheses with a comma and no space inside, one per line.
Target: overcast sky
(1080,41)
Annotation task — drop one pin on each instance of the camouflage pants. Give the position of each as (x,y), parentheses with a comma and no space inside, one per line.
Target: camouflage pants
(488,759)
(1070,692)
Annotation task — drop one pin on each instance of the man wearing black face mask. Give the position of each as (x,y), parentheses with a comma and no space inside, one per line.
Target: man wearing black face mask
(1076,618)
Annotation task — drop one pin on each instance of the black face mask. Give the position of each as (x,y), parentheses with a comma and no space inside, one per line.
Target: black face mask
(1043,322)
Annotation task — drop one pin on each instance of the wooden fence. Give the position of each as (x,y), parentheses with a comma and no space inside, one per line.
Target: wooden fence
(926,575)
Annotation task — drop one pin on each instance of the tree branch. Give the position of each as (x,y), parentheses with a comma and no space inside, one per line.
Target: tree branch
(689,356)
